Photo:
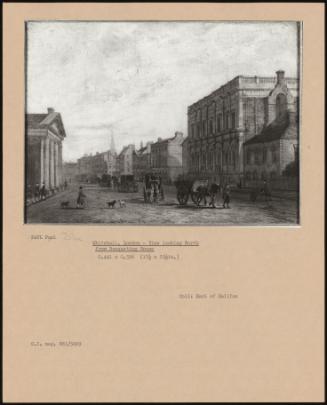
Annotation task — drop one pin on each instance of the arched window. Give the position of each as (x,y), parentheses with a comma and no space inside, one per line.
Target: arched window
(274,154)
(248,157)
(264,155)
(281,105)
(218,157)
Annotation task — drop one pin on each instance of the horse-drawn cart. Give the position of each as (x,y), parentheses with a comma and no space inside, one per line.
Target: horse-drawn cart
(197,190)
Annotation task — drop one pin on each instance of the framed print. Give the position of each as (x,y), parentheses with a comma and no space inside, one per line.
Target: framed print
(163,202)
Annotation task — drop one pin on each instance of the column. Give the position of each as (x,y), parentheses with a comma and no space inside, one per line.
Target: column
(52,164)
(56,164)
(241,157)
(41,162)
(240,111)
(60,164)
(47,163)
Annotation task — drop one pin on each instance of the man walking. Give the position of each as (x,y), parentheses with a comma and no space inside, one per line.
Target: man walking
(226,196)
(81,198)
(266,191)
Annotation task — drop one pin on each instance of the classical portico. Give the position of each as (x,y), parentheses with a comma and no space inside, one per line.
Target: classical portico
(45,134)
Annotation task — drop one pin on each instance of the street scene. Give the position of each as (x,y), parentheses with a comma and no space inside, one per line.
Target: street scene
(153,124)
(279,211)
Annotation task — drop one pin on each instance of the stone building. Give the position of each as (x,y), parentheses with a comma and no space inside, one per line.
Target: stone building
(142,161)
(220,123)
(267,155)
(126,161)
(70,171)
(166,157)
(91,166)
(44,137)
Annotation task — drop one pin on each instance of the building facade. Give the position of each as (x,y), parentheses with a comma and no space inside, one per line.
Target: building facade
(267,155)
(166,157)
(220,124)
(70,171)
(126,161)
(44,143)
(92,166)
(142,161)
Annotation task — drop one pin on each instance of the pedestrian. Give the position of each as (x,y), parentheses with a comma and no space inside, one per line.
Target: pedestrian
(36,192)
(214,188)
(43,192)
(266,191)
(226,196)
(81,198)
(29,194)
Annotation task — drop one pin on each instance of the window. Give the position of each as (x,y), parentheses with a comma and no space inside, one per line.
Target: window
(204,128)
(198,132)
(264,155)
(257,157)
(226,121)
(211,127)
(233,120)
(226,158)
(248,157)
(219,123)
(274,154)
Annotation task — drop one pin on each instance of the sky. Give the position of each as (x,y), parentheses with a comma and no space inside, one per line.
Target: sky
(135,80)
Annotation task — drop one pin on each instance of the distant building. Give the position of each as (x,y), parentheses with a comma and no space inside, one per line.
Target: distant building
(44,137)
(166,157)
(142,161)
(220,124)
(126,161)
(70,171)
(91,166)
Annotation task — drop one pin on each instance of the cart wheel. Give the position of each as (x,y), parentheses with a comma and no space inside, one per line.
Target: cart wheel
(196,197)
(182,198)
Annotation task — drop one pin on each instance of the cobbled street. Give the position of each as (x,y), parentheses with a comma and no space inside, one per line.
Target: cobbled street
(241,212)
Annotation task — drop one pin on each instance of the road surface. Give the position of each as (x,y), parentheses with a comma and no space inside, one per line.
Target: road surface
(168,212)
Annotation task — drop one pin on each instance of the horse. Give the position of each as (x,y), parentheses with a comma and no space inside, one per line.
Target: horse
(204,191)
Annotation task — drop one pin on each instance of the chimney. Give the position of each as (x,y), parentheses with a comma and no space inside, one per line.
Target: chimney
(159,139)
(50,110)
(280,76)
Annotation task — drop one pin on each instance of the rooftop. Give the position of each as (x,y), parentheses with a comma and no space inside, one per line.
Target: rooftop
(283,128)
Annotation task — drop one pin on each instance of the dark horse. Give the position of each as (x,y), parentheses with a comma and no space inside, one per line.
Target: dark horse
(203,192)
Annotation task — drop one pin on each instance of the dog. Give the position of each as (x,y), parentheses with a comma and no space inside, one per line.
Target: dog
(111,204)
(64,204)
(122,203)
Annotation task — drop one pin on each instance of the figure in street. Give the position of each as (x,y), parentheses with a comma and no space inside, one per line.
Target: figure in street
(81,198)
(226,196)
(266,191)
(43,192)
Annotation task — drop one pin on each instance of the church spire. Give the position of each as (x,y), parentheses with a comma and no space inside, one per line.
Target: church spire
(112,145)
